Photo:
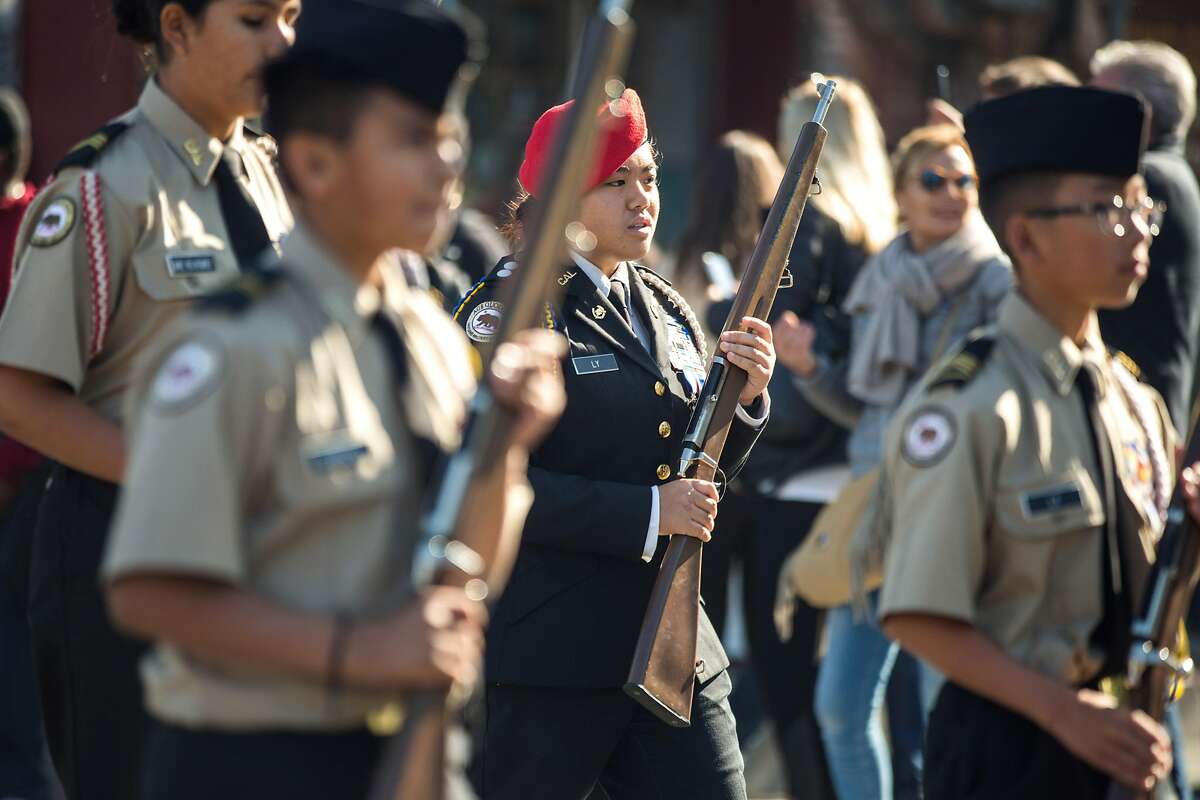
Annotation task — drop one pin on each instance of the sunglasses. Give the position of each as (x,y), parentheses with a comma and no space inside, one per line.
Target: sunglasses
(933,179)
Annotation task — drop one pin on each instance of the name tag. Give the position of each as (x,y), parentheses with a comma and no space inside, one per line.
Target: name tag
(181,265)
(587,365)
(332,458)
(1049,501)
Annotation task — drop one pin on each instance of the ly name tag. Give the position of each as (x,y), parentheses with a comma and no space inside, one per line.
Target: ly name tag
(590,365)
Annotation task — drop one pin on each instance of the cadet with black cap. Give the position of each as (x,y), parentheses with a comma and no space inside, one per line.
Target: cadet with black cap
(1028,475)
(285,433)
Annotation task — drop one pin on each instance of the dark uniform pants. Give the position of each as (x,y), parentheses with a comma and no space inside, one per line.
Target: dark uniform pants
(761,533)
(185,764)
(87,673)
(976,749)
(558,744)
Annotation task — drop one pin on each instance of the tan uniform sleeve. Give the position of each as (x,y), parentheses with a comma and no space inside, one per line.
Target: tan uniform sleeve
(71,250)
(939,459)
(201,441)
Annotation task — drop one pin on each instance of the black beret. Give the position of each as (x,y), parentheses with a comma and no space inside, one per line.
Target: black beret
(410,46)
(1057,129)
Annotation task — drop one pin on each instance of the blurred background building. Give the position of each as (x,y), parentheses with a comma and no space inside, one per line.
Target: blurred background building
(702,66)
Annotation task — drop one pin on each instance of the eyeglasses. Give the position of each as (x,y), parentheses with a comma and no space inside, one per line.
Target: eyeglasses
(932,179)
(1113,217)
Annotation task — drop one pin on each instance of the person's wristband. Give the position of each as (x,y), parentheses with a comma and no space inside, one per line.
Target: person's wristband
(342,627)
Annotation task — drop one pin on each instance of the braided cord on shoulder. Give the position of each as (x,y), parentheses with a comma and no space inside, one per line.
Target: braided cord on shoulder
(689,316)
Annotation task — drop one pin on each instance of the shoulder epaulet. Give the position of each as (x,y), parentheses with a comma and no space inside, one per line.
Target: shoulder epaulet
(84,154)
(243,291)
(262,140)
(1128,363)
(963,367)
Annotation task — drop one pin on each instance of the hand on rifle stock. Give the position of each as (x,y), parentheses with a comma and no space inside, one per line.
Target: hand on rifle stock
(434,641)
(689,507)
(1125,744)
(526,378)
(753,350)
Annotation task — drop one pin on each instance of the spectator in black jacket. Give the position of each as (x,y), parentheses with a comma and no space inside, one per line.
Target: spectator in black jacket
(799,463)
(1159,331)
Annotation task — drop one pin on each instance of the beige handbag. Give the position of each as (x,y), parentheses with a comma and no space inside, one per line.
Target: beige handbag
(819,569)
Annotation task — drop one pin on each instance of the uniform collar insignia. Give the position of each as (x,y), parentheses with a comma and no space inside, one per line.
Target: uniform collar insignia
(198,151)
(1059,357)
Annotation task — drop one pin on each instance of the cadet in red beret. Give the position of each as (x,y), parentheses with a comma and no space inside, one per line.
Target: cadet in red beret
(606,498)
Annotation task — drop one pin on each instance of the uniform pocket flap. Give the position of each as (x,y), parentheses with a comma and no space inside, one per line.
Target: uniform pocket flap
(1054,504)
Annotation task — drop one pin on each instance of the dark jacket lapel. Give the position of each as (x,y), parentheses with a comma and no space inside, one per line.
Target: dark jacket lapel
(583,298)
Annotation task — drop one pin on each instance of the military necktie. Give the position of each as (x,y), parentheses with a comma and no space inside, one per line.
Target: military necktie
(1112,633)
(247,233)
(616,296)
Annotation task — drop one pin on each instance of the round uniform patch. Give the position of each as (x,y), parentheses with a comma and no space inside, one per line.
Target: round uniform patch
(186,376)
(929,435)
(484,322)
(56,222)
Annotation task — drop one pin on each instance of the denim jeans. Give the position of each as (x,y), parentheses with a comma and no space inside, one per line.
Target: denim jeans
(851,689)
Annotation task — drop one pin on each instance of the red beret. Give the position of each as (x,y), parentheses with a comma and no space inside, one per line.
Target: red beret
(622,132)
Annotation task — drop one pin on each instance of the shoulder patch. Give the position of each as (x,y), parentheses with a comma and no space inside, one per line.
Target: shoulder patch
(501,271)
(1128,363)
(244,291)
(56,222)
(187,375)
(84,154)
(962,368)
(483,323)
(929,433)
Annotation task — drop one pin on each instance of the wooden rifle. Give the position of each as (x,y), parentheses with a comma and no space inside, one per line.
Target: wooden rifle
(663,672)
(1153,668)
(450,552)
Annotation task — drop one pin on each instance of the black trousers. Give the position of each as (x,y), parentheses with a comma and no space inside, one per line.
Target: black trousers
(978,750)
(87,673)
(184,764)
(24,767)
(760,533)
(558,744)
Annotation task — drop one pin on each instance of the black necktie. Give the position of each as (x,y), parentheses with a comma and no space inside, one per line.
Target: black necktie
(1112,634)
(616,296)
(247,234)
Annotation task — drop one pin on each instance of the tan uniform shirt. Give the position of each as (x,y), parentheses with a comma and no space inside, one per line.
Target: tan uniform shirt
(270,452)
(107,255)
(996,503)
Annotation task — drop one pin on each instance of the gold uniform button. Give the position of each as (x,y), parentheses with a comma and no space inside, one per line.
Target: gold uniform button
(664,429)
(660,388)
(664,472)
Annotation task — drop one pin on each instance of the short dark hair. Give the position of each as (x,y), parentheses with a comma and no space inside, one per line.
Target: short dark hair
(1002,199)
(1024,72)
(305,99)
(139,19)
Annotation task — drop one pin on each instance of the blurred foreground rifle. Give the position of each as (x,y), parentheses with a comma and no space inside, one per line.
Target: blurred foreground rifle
(450,552)
(1154,668)
(663,672)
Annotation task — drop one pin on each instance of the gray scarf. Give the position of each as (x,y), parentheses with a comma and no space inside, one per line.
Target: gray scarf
(896,291)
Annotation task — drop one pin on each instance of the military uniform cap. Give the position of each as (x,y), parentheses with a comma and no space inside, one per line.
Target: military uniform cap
(1058,129)
(412,47)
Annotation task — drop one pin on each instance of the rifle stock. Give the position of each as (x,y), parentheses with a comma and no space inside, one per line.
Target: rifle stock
(1168,594)
(662,675)
(451,551)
